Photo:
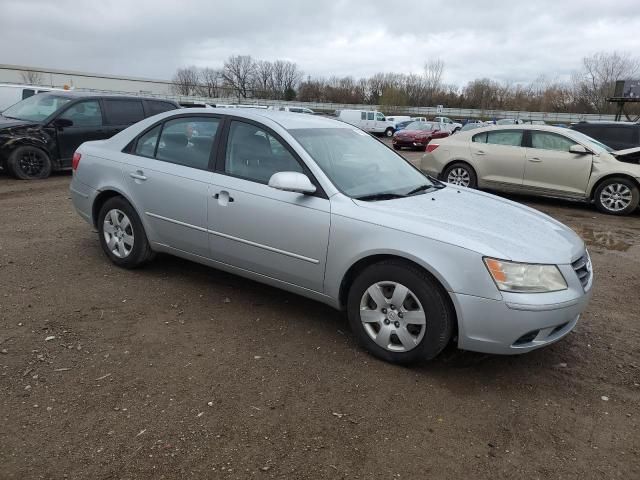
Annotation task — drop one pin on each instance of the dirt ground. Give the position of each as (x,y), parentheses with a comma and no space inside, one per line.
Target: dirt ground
(181,371)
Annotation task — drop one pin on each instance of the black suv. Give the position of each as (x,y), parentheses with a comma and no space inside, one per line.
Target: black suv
(616,135)
(41,133)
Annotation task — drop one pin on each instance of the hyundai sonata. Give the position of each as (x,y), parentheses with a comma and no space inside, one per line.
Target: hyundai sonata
(320,208)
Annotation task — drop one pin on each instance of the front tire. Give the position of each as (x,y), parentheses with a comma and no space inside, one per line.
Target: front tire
(617,196)
(389,132)
(399,313)
(29,163)
(462,174)
(122,235)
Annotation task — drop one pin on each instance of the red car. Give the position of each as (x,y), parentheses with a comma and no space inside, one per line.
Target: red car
(418,135)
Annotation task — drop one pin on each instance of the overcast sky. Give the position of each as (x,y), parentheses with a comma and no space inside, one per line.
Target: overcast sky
(503,40)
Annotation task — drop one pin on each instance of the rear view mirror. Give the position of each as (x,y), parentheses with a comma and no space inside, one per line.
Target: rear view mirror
(292,182)
(579,149)
(63,122)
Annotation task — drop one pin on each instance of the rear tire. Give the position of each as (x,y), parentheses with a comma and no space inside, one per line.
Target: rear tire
(462,174)
(122,235)
(29,163)
(418,328)
(617,196)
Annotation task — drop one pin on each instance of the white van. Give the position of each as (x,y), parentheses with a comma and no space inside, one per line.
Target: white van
(368,120)
(11,94)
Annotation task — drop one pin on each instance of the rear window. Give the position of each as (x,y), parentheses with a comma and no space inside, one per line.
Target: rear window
(155,107)
(123,112)
(511,138)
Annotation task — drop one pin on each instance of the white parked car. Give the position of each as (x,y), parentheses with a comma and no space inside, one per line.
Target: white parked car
(368,120)
(11,94)
(293,109)
(419,119)
(396,119)
(449,124)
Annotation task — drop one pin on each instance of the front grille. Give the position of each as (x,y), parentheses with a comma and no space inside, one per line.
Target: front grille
(582,267)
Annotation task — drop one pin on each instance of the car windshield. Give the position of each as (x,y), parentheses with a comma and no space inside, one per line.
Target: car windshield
(36,108)
(420,126)
(359,165)
(596,146)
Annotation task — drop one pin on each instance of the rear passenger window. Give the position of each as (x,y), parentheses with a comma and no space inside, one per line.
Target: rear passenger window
(480,138)
(154,108)
(123,112)
(146,145)
(511,138)
(370,116)
(187,141)
(363,115)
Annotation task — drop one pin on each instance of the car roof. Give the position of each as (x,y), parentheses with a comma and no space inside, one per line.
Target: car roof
(490,128)
(605,122)
(287,120)
(78,94)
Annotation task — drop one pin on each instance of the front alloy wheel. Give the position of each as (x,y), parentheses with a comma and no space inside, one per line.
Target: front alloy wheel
(617,196)
(392,316)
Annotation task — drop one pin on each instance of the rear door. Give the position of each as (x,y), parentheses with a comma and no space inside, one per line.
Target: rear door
(499,157)
(552,168)
(87,124)
(169,180)
(120,113)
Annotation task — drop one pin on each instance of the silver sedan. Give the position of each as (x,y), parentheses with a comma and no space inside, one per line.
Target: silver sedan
(322,209)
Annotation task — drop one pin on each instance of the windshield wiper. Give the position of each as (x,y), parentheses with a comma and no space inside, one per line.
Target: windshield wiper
(421,188)
(380,196)
(436,183)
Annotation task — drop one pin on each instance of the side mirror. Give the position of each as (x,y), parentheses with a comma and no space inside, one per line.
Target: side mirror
(63,122)
(579,149)
(292,182)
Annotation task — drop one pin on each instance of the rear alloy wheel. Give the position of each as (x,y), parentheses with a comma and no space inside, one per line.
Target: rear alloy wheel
(617,196)
(460,174)
(122,235)
(29,163)
(399,313)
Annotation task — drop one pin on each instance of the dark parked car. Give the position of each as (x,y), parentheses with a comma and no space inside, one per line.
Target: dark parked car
(418,134)
(40,134)
(616,135)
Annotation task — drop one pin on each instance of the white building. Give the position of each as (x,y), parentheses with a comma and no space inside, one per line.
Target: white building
(82,80)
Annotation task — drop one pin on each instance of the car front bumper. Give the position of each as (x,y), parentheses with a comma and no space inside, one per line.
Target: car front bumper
(518,323)
(400,142)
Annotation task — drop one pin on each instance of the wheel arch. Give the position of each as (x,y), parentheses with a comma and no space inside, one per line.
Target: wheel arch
(362,263)
(609,176)
(102,197)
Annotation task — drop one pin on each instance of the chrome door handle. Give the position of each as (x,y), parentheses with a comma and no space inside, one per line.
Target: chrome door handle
(138,175)
(535,159)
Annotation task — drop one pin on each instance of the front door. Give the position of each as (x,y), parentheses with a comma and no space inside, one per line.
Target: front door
(282,235)
(551,168)
(169,181)
(499,157)
(87,125)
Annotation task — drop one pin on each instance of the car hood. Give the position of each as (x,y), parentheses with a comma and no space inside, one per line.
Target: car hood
(481,222)
(12,122)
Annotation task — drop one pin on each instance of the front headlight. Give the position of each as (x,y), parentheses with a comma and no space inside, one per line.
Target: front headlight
(525,277)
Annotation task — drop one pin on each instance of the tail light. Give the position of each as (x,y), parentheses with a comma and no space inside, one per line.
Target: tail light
(76,160)
(432,146)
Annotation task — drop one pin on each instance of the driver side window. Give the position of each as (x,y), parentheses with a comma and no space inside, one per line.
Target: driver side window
(84,114)
(254,154)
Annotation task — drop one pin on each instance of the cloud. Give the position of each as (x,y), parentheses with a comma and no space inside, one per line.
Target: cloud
(510,41)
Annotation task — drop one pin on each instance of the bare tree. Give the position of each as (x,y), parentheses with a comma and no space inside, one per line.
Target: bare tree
(595,83)
(264,78)
(433,71)
(238,73)
(209,83)
(31,77)
(185,81)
